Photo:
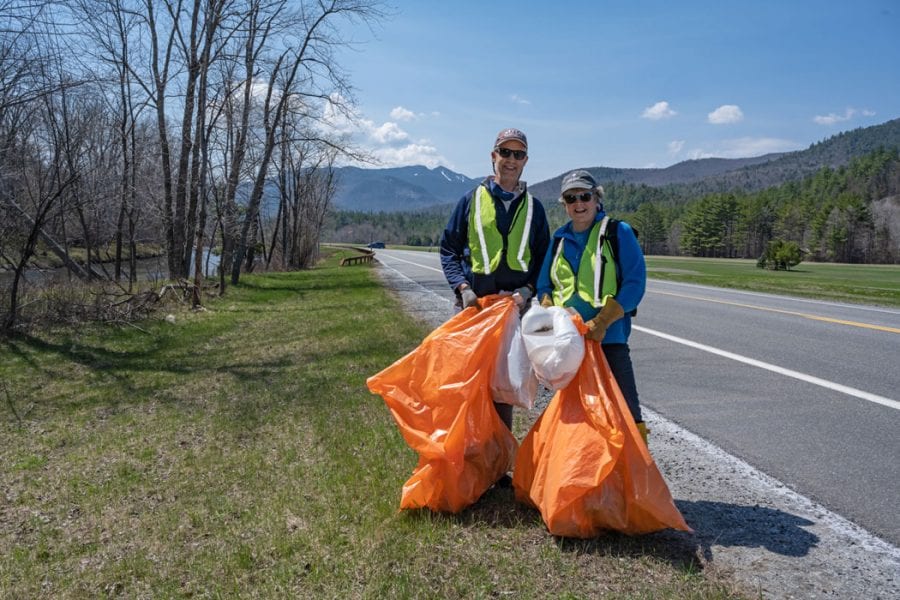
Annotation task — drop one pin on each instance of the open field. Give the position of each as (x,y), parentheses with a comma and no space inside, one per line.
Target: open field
(866,284)
(237,453)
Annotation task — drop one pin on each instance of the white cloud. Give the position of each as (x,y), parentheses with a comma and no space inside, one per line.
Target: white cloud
(745,147)
(675,146)
(658,111)
(389,144)
(388,133)
(832,118)
(411,154)
(698,153)
(338,120)
(726,114)
(519,99)
(402,114)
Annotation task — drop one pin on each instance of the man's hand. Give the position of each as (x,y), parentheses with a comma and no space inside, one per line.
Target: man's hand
(468,297)
(522,295)
(611,312)
(546,301)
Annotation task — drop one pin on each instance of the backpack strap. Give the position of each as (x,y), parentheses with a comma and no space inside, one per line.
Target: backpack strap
(612,234)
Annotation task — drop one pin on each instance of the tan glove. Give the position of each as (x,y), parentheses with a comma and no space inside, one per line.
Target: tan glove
(546,302)
(611,312)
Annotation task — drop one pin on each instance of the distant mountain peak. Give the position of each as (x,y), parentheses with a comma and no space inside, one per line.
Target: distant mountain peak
(394,189)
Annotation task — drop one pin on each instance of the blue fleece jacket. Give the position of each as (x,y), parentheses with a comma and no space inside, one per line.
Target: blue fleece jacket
(631,268)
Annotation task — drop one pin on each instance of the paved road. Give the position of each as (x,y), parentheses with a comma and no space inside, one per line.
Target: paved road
(807,392)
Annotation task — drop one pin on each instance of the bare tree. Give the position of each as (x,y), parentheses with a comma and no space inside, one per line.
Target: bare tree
(241,77)
(33,174)
(304,72)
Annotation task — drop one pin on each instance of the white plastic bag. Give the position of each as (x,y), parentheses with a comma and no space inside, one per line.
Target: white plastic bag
(554,346)
(513,381)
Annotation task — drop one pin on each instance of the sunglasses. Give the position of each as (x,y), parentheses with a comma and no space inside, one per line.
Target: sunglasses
(583,196)
(506,153)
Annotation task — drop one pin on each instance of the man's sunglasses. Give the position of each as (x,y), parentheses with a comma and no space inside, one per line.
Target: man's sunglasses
(517,154)
(583,196)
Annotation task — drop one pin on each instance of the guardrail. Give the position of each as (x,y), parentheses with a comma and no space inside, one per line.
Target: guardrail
(365,256)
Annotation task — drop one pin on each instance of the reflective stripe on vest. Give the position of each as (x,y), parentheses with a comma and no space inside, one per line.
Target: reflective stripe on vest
(486,245)
(593,283)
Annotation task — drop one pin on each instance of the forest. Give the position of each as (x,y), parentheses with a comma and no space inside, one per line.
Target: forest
(848,214)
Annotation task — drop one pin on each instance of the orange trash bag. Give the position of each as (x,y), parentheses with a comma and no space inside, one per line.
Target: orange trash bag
(584,465)
(439,395)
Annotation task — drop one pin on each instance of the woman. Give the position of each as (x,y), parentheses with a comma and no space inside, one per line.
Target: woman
(595,266)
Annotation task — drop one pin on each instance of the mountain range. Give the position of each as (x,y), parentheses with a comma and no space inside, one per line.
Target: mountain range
(398,189)
(419,188)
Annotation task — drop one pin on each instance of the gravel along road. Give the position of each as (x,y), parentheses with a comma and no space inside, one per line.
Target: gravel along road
(748,526)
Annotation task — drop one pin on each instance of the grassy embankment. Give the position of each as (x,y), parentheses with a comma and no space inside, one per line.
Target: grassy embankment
(865,284)
(237,453)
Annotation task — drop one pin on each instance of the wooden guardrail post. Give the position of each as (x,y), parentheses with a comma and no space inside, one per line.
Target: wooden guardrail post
(365,256)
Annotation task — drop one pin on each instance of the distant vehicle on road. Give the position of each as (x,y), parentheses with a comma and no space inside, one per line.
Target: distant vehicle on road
(376,245)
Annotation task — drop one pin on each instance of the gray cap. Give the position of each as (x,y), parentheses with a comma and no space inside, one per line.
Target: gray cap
(509,134)
(579,179)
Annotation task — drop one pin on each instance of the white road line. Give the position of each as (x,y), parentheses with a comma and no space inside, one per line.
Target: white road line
(409,262)
(421,287)
(776,369)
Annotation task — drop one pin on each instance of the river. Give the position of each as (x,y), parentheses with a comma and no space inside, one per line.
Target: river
(148,269)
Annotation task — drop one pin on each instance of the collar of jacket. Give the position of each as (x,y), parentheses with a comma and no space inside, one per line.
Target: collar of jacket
(566,230)
(498,192)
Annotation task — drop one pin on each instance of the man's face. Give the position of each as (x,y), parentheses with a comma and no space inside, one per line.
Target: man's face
(509,168)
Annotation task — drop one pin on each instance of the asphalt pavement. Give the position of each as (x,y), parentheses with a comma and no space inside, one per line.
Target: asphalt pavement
(774,420)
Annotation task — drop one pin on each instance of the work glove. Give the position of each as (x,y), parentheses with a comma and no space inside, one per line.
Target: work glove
(611,312)
(546,301)
(642,429)
(468,298)
(522,295)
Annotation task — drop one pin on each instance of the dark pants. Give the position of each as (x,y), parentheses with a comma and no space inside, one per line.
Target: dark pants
(619,358)
(505,412)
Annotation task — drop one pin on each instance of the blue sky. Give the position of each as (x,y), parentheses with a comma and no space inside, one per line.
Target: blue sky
(620,84)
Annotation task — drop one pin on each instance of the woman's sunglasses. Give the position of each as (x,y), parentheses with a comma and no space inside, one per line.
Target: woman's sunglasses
(573,198)
(517,154)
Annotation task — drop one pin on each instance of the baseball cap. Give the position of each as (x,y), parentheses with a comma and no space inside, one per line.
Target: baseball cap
(508,134)
(580,179)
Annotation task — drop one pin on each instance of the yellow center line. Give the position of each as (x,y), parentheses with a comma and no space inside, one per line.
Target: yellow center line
(786,312)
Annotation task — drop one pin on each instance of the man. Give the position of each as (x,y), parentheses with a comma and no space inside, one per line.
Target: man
(497,236)
(575,276)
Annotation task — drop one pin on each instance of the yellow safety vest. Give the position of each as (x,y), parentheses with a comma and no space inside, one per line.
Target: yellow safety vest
(593,282)
(486,243)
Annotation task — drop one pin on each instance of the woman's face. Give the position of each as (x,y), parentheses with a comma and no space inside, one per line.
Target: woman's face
(581,206)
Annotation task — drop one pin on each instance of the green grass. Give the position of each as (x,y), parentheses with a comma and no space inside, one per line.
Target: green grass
(865,284)
(238,454)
